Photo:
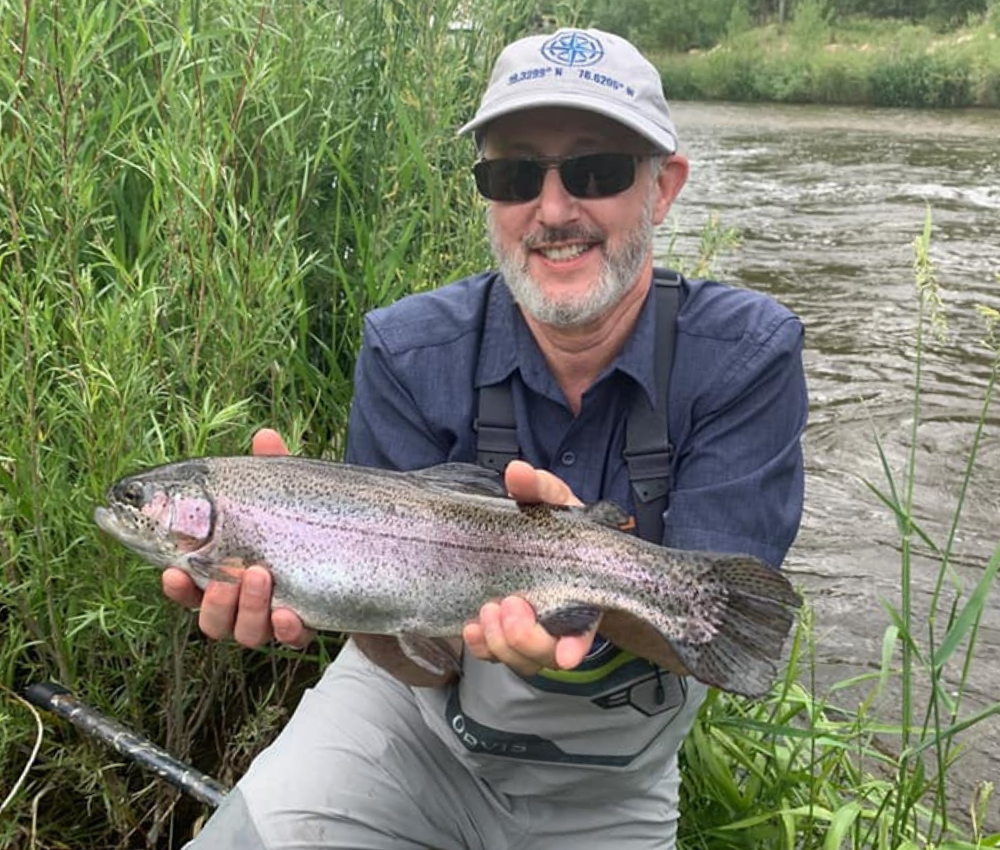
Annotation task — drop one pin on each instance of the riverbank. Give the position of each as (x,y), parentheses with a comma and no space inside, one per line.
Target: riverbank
(851,62)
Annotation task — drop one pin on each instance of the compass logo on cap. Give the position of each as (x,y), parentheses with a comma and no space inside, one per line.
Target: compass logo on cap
(574,49)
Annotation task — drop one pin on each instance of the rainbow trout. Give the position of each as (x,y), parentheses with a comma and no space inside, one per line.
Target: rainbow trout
(416,554)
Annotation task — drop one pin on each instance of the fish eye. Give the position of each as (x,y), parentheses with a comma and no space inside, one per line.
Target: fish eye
(131,494)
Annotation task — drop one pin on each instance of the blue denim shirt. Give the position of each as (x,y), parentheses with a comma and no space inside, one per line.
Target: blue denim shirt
(737,405)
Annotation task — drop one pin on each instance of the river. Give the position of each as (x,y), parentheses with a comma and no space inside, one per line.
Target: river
(827,202)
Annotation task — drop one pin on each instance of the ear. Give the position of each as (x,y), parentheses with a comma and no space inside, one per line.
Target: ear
(673,174)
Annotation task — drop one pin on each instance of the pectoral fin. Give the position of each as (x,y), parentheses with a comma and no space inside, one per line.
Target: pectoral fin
(208,570)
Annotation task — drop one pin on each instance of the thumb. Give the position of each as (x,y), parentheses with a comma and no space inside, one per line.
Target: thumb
(267,441)
(527,484)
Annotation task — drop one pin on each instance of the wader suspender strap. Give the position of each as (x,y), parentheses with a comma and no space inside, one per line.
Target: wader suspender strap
(496,434)
(648,453)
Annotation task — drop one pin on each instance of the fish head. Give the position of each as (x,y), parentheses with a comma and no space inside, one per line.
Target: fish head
(164,515)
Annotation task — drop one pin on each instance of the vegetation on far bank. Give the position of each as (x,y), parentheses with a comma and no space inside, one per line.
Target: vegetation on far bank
(853,63)
(821,51)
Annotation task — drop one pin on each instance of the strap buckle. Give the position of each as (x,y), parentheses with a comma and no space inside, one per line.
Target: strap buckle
(650,472)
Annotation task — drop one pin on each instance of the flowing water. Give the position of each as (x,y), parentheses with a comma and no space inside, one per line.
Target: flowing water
(827,203)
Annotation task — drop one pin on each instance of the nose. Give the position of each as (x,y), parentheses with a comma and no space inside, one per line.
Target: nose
(555,204)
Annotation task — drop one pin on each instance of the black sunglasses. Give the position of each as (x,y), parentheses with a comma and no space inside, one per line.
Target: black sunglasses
(594,175)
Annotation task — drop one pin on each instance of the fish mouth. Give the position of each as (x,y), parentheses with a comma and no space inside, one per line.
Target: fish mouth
(118,524)
(108,521)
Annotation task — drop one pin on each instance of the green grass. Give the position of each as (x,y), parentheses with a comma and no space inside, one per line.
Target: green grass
(198,201)
(855,61)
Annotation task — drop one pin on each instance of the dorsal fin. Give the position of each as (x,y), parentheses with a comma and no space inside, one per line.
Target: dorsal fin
(467,478)
(602,513)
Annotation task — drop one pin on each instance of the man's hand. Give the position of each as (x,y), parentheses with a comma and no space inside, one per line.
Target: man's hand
(242,610)
(508,631)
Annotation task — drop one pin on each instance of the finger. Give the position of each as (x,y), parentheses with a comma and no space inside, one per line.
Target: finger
(527,484)
(252,627)
(475,640)
(529,638)
(515,637)
(219,604)
(572,649)
(179,587)
(525,635)
(498,649)
(289,629)
(474,633)
(267,441)
(483,633)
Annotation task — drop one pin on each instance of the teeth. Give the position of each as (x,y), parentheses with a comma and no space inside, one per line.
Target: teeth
(566,252)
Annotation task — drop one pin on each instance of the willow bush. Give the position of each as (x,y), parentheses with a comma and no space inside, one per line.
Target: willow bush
(198,201)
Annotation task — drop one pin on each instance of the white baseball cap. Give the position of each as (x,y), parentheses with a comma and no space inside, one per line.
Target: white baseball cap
(579,69)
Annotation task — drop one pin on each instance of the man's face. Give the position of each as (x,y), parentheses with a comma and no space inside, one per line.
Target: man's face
(568,260)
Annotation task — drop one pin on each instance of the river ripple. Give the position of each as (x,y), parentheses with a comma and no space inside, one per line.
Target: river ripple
(827,203)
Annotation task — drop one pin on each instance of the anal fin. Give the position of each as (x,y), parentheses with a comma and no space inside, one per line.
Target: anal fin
(569,619)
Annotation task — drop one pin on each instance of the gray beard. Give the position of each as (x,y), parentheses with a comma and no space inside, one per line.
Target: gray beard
(617,276)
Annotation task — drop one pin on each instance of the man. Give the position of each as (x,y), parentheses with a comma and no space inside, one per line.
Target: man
(542,742)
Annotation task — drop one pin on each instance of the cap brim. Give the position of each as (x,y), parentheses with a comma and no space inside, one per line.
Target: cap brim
(663,138)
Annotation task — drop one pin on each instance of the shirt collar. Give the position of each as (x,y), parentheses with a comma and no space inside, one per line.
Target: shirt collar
(498,354)
(637,357)
(508,346)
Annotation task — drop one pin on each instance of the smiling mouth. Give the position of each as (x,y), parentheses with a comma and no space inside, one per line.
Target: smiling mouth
(564,252)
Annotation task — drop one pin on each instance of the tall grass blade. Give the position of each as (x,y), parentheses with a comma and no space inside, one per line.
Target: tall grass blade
(970,613)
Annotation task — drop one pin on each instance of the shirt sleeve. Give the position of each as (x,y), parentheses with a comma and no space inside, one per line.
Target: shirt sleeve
(386,427)
(739,477)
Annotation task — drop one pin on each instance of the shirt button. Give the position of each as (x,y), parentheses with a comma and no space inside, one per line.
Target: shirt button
(568,458)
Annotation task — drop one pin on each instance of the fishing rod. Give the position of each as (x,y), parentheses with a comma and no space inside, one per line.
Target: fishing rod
(53,697)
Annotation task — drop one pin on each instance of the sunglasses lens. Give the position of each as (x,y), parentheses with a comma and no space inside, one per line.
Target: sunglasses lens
(508,179)
(598,175)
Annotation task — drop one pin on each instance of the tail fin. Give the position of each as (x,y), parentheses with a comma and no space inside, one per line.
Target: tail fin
(751,626)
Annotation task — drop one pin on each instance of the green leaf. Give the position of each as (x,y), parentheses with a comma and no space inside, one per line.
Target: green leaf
(970,613)
(840,826)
